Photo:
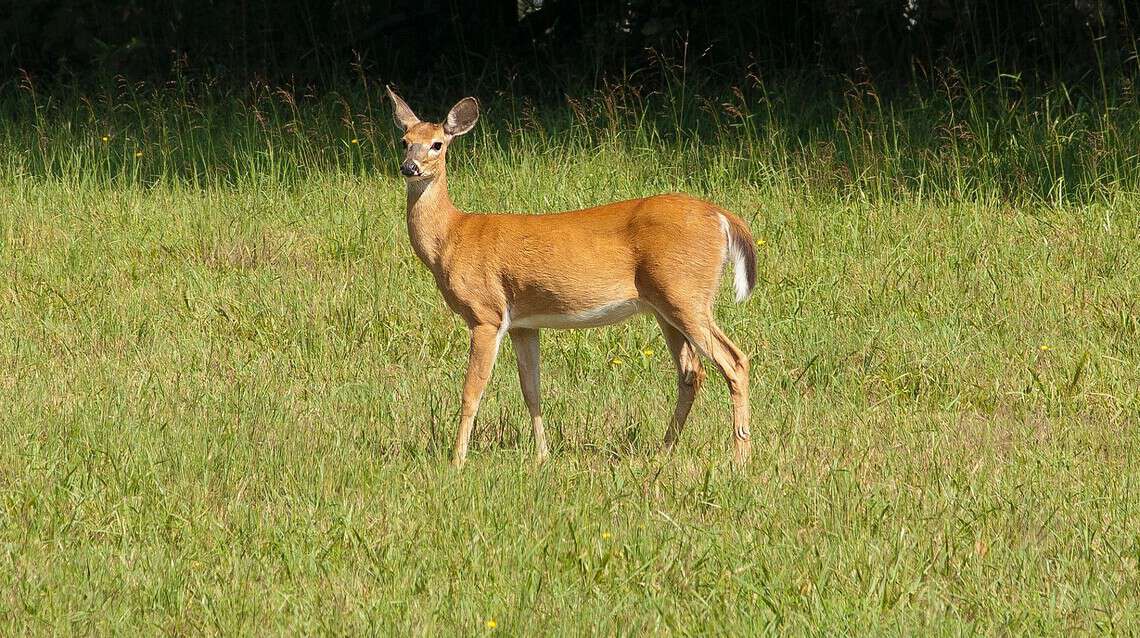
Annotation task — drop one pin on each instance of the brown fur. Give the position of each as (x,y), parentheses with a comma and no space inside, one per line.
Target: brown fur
(661,254)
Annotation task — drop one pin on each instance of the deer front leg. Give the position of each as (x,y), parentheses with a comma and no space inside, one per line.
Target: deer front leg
(480,361)
(526,351)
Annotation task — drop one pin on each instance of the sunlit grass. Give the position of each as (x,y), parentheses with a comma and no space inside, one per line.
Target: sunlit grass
(230,389)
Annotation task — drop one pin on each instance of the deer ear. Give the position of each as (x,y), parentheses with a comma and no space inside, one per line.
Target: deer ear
(401,112)
(461,118)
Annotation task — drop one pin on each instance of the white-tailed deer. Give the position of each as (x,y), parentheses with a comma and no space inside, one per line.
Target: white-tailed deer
(513,274)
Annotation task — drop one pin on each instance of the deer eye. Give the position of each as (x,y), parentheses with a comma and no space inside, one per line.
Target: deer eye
(436,146)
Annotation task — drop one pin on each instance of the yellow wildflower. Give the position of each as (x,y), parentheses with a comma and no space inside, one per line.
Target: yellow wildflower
(138,153)
(355,141)
(616,361)
(760,241)
(106,138)
(606,536)
(648,352)
(491,624)
(1046,348)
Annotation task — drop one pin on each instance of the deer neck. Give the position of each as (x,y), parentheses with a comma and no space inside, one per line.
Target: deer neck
(430,216)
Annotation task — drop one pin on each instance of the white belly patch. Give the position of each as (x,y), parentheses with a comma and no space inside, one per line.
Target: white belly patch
(590,318)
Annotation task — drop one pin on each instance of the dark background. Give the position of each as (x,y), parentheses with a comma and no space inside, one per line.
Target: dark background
(554,46)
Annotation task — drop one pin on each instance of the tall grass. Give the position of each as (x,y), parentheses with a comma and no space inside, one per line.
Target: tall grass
(949,135)
(229,388)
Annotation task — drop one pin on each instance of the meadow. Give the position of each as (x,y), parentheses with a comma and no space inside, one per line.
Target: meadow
(229,389)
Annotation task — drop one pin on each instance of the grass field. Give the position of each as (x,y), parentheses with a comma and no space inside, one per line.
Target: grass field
(229,390)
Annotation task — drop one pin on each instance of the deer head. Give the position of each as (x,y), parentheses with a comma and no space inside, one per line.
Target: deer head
(425,143)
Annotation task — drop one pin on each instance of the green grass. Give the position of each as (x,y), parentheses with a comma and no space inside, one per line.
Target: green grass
(229,390)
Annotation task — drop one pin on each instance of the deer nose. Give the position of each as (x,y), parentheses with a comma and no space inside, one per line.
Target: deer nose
(409,169)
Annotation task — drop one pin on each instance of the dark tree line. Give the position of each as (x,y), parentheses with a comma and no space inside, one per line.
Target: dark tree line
(548,44)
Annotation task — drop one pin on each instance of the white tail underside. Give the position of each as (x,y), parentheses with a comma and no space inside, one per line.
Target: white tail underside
(734,254)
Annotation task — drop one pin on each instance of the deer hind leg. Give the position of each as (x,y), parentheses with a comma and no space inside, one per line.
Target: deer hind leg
(702,331)
(525,341)
(480,361)
(690,375)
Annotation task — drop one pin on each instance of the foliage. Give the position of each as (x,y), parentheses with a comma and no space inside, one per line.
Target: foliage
(547,48)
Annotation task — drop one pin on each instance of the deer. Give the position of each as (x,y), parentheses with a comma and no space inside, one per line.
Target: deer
(515,274)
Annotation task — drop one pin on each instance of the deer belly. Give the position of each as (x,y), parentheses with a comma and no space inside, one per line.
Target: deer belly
(587,318)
